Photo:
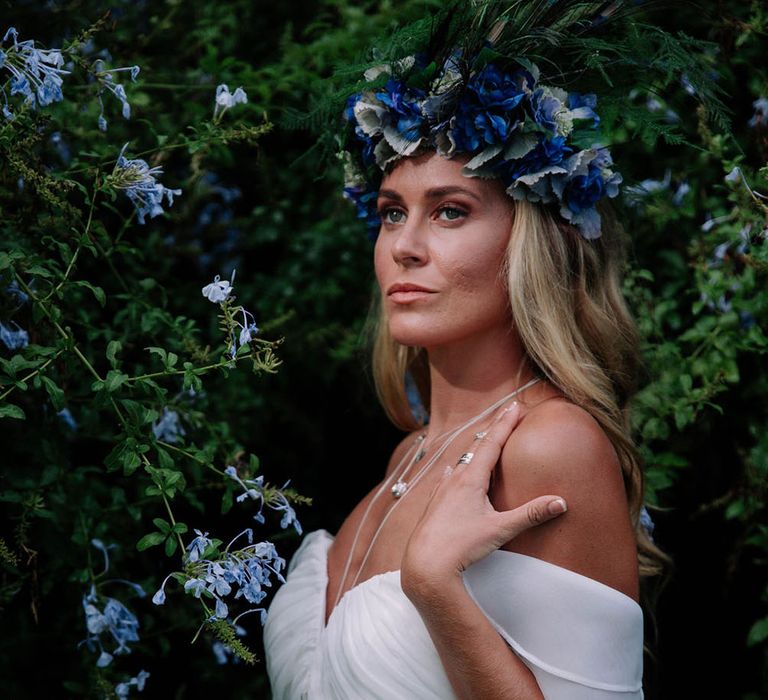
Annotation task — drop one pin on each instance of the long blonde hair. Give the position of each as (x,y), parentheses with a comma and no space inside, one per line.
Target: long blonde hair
(576,329)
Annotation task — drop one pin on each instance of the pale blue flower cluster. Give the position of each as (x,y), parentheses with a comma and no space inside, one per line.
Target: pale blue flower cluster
(514,129)
(254,489)
(243,332)
(760,117)
(139,183)
(646,522)
(168,428)
(225,100)
(35,73)
(108,82)
(246,572)
(108,617)
(13,339)
(123,689)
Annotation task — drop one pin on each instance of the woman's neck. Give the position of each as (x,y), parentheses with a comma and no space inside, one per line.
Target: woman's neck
(466,379)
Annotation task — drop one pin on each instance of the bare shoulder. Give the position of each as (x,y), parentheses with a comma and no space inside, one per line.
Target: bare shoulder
(559,448)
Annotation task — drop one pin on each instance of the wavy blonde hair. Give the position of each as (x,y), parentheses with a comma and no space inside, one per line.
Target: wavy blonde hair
(575,327)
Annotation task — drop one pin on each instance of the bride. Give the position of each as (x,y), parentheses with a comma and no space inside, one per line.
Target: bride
(501,553)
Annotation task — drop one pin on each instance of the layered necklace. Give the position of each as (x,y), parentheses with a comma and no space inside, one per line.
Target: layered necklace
(401,487)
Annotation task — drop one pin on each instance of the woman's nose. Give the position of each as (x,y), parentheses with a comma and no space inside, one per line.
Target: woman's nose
(410,246)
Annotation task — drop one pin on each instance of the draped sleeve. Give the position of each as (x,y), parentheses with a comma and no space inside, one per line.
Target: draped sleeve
(580,638)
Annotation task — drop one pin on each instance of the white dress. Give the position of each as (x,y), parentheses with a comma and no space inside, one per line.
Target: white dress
(580,638)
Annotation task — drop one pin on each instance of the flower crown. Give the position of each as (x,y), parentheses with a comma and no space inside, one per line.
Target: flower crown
(513,128)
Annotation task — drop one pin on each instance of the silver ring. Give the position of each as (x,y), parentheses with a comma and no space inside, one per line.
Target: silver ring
(481,435)
(466,458)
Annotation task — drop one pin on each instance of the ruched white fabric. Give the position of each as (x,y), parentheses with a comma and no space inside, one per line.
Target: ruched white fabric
(581,639)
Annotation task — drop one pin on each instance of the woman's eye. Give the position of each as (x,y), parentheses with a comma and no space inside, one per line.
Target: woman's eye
(392,216)
(451,213)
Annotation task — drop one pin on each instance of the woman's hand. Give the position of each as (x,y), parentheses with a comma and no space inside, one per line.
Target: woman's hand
(460,525)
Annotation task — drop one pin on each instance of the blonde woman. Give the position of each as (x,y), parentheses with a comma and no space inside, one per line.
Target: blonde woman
(501,554)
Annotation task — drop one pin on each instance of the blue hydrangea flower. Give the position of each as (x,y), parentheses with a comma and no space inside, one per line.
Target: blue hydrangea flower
(490,110)
(404,109)
(395,114)
(365,200)
(367,144)
(13,339)
(547,153)
(139,182)
(583,191)
(583,107)
(35,73)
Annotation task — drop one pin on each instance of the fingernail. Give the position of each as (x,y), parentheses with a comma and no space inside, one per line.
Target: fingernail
(557,506)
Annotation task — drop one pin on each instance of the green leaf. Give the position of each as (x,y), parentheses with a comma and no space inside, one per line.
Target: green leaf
(181,528)
(151,540)
(98,292)
(170,546)
(9,410)
(162,525)
(758,633)
(114,380)
(56,394)
(112,349)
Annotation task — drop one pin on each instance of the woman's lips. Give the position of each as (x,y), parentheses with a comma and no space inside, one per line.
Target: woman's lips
(407,293)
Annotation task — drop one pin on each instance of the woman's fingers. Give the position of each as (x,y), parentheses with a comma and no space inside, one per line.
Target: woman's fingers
(486,448)
(535,512)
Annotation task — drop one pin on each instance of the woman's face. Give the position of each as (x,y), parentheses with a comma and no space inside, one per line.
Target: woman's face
(445,234)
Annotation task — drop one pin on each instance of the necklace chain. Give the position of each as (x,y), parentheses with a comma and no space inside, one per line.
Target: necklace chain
(417,454)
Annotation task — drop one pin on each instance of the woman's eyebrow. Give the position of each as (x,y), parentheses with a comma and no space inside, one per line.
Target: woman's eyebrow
(433,193)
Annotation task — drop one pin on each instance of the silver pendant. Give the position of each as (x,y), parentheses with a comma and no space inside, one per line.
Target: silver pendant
(399,488)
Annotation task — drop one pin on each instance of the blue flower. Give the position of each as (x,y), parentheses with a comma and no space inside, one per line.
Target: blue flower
(583,191)
(490,109)
(106,79)
(13,339)
(646,522)
(367,144)
(404,112)
(168,428)
(139,182)
(115,618)
(760,117)
(66,415)
(123,689)
(224,100)
(365,200)
(546,153)
(35,73)
(197,547)
(218,290)
(13,290)
(584,106)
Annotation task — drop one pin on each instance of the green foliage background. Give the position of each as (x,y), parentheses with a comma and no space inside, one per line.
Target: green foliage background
(107,288)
